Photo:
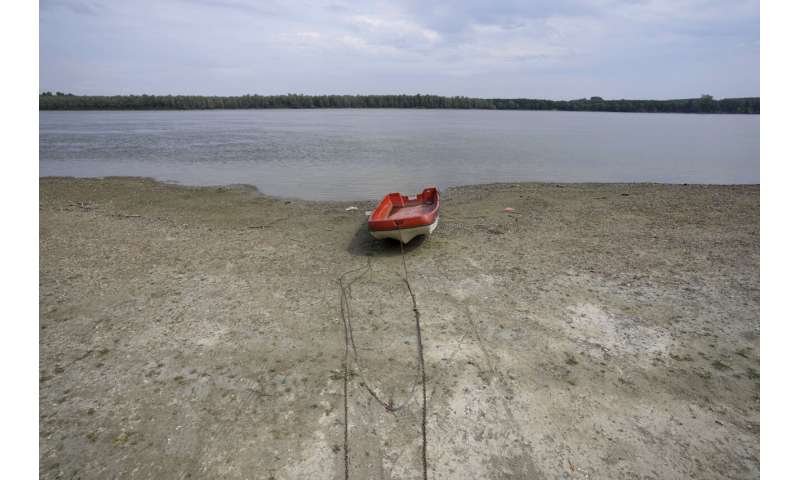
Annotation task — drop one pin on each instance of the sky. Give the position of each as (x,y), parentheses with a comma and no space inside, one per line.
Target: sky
(555,49)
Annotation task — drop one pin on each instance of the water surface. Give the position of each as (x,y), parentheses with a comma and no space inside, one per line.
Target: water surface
(363,154)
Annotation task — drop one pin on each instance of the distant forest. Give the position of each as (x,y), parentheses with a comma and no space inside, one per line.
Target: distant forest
(703,104)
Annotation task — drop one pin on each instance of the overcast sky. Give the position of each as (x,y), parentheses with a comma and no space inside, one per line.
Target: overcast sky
(557,49)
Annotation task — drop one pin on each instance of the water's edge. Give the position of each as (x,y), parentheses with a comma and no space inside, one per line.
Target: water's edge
(252,189)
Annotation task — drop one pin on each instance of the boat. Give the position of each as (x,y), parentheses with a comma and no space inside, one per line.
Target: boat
(404,218)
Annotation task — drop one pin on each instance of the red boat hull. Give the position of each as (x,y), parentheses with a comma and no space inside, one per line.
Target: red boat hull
(399,212)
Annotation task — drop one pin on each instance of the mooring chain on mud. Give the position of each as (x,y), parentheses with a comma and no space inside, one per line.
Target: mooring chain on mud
(422,369)
(346,373)
(343,305)
(389,406)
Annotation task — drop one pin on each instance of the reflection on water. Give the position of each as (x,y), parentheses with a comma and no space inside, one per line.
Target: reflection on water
(363,154)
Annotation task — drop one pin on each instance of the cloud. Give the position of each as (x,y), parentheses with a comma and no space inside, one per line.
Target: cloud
(80,7)
(560,49)
(239,6)
(396,31)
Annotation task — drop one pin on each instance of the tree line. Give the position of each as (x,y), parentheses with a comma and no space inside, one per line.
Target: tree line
(703,104)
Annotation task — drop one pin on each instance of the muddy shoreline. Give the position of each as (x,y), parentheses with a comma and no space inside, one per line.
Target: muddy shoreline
(598,331)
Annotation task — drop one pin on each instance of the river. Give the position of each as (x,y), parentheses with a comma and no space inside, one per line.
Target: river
(322,154)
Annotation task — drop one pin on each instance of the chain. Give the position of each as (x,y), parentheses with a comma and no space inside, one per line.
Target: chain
(346,314)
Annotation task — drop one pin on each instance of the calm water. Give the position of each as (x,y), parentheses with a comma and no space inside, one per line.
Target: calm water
(363,154)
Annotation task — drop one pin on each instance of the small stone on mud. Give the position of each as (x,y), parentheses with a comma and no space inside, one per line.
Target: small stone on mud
(121,439)
(720,365)
(571,359)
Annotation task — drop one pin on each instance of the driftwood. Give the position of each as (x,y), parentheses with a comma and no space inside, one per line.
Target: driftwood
(268,224)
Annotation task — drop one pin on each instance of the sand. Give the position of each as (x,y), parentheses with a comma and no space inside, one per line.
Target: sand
(597,331)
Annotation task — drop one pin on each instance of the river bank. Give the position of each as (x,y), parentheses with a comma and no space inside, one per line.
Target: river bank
(598,330)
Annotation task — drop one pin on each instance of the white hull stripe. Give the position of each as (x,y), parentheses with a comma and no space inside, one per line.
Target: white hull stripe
(405,235)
